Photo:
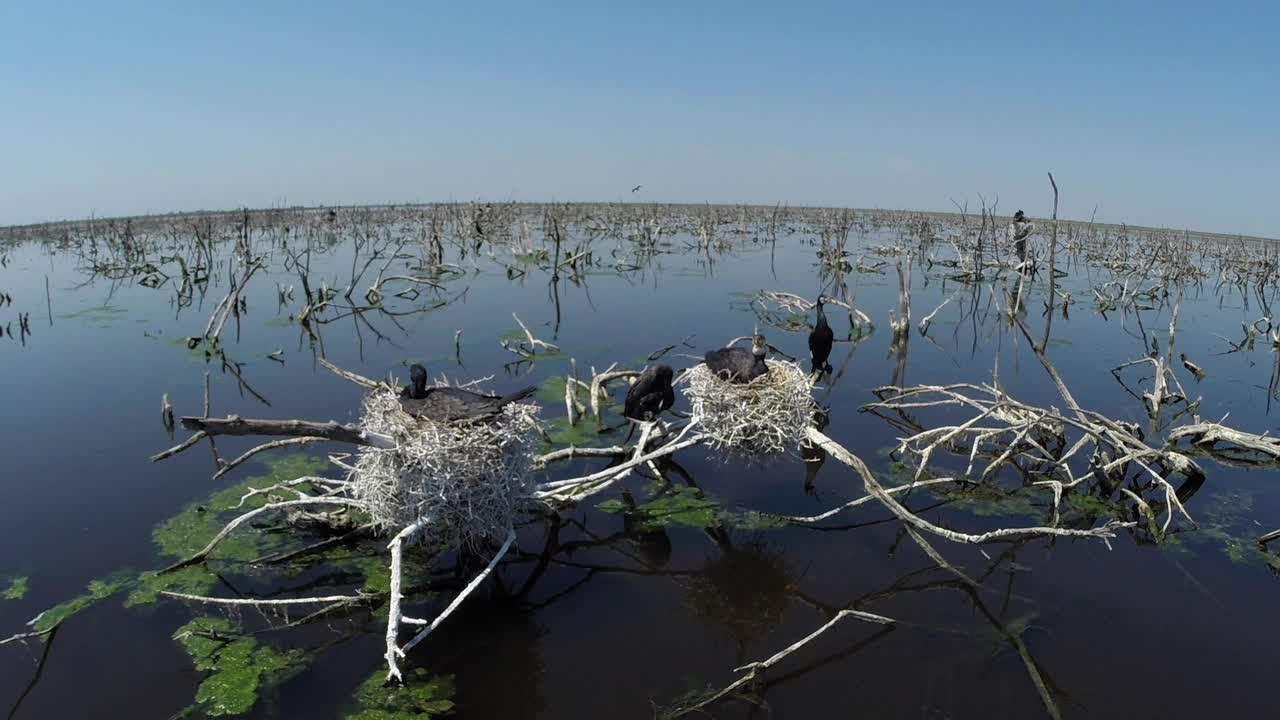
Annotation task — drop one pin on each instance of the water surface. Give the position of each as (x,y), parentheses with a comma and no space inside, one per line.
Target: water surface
(610,623)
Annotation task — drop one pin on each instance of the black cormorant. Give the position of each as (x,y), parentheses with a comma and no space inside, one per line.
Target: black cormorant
(820,340)
(444,404)
(650,394)
(738,365)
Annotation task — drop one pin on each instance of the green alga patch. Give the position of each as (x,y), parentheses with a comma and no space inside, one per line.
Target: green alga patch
(1089,504)
(419,697)
(96,591)
(1224,524)
(984,501)
(17,589)
(192,580)
(191,530)
(188,532)
(689,507)
(238,667)
(683,506)
(560,433)
(551,391)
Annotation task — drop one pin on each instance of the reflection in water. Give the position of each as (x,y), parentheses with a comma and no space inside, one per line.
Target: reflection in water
(494,647)
(651,543)
(743,590)
(812,454)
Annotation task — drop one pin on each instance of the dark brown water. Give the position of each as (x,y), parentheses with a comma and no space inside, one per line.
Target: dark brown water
(591,621)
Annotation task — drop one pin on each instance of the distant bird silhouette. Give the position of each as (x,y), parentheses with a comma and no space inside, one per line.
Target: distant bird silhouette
(636,188)
(737,365)
(447,404)
(820,340)
(650,394)
(1018,232)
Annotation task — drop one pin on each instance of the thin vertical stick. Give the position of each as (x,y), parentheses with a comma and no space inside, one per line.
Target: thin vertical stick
(1053,277)
(393,604)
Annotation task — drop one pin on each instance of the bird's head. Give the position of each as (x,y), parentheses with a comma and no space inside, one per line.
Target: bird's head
(418,375)
(664,372)
(1018,216)
(759,346)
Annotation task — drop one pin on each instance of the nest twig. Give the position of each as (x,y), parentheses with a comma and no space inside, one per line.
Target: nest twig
(767,416)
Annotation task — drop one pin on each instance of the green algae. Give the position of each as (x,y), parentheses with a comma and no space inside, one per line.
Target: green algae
(420,697)
(192,580)
(238,666)
(689,507)
(188,532)
(18,588)
(191,530)
(97,591)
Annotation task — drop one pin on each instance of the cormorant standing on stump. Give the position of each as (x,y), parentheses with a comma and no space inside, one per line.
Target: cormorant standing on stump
(820,340)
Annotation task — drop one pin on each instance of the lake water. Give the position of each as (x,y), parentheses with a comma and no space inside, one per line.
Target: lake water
(597,619)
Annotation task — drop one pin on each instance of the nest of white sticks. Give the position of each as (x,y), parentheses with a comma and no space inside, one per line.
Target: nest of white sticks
(765,417)
(468,480)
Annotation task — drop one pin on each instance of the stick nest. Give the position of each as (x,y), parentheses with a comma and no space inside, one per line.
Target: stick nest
(767,416)
(470,480)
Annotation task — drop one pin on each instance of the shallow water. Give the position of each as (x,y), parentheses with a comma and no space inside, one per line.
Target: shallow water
(611,625)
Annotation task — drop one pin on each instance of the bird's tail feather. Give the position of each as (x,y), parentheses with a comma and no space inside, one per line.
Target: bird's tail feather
(517,396)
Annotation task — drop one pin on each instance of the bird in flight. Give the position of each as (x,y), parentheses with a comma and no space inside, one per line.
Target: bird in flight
(636,188)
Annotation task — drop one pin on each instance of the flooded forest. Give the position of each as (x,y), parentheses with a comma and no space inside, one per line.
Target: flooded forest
(504,460)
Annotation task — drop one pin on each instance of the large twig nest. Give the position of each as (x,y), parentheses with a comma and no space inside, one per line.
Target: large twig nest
(764,417)
(469,480)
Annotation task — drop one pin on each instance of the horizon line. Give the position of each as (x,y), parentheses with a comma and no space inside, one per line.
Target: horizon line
(532,203)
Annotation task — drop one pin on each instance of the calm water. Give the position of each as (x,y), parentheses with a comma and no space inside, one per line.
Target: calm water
(610,624)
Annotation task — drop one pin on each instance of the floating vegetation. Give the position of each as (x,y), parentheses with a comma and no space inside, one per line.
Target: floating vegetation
(17,589)
(561,433)
(420,697)
(238,666)
(688,507)
(97,591)
(1226,527)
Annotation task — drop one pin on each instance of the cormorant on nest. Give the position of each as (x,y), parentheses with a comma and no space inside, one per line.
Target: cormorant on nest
(737,365)
(446,404)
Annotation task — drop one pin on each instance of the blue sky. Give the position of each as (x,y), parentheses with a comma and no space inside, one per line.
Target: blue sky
(1156,113)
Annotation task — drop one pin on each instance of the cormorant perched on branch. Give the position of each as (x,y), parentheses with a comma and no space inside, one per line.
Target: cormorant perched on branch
(737,365)
(820,340)
(444,404)
(1019,230)
(650,394)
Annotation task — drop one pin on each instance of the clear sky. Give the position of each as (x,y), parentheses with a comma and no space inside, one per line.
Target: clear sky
(1161,113)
